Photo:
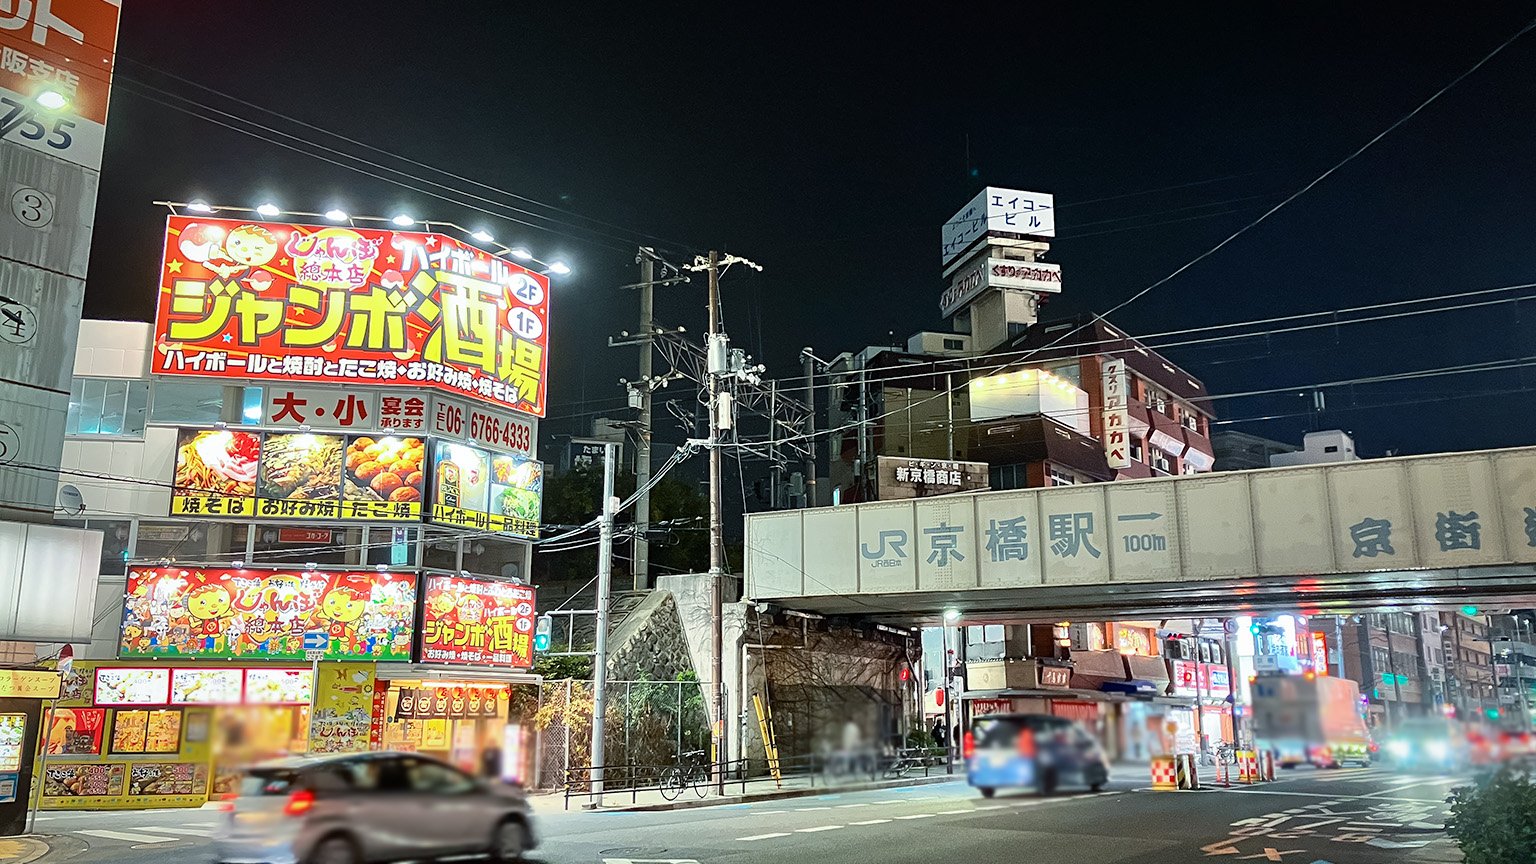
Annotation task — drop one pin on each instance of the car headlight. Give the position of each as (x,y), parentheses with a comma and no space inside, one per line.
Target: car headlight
(1398,748)
(1438,749)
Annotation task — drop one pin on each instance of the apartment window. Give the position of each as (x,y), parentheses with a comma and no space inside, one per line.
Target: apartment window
(107,406)
(1009,476)
(954,344)
(1381,661)
(1191,421)
(1062,478)
(1160,461)
(199,402)
(1136,454)
(1156,399)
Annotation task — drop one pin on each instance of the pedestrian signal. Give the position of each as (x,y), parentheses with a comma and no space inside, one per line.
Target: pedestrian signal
(541,633)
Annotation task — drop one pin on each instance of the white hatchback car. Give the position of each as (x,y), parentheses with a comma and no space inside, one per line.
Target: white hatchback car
(371,807)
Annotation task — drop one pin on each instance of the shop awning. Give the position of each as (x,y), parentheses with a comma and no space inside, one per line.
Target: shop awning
(1092,669)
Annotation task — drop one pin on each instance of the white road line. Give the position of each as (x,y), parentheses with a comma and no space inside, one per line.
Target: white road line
(818,828)
(128,836)
(871,822)
(763,836)
(891,801)
(917,816)
(809,809)
(769,812)
(992,807)
(1337,798)
(846,806)
(954,812)
(196,832)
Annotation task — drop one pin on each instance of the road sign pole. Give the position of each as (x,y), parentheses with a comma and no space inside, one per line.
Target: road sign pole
(315,644)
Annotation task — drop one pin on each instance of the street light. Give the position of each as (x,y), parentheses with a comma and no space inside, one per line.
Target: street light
(951,615)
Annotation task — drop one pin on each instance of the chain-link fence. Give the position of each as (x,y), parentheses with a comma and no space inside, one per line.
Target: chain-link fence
(648,725)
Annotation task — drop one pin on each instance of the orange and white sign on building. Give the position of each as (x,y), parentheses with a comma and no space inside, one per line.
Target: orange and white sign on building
(62,47)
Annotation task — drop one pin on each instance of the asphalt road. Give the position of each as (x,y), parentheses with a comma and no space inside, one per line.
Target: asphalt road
(1338,817)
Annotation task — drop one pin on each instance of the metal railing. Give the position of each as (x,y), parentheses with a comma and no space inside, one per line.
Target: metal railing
(826,771)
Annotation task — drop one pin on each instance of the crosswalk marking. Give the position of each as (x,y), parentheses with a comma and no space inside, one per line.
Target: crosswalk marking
(129,836)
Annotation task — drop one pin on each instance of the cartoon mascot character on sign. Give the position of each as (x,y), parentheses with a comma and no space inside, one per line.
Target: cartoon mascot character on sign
(209,600)
(342,605)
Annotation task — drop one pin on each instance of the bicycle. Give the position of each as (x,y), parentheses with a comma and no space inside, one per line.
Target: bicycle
(691,770)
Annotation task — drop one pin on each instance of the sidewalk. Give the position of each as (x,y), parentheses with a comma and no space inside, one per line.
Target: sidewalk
(762,789)
(22,850)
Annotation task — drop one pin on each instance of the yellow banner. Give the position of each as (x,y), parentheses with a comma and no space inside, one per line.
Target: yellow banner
(29,684)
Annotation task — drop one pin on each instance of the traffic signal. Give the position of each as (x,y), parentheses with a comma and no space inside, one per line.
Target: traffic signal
(905,674)
(541,633)
(1469,611)
(1493,713)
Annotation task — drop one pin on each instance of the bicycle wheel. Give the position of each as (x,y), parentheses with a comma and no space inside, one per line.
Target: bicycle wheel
(672,783)
(701,782)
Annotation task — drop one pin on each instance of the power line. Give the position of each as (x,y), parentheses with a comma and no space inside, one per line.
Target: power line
(459,177)
(1236,234)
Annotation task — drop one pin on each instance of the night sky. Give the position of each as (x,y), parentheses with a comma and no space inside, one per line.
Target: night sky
(829,145)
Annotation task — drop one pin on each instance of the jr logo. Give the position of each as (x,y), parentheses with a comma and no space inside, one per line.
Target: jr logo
(895,539)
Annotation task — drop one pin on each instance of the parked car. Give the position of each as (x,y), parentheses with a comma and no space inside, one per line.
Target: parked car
(1032,751)
(370,807)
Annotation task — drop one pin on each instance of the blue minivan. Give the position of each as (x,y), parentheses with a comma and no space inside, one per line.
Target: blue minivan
(1032,751)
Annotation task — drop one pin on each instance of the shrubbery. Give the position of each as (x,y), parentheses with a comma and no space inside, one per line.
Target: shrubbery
(1494,820)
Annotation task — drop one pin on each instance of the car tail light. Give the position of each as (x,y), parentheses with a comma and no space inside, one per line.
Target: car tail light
(299,803)
(1027,744)
(225,806)
(968,745)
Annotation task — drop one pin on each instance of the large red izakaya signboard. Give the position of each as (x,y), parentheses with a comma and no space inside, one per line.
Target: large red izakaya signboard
(265,301)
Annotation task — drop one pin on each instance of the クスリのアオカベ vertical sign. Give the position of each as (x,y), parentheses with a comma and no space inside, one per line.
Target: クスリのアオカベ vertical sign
(263,301)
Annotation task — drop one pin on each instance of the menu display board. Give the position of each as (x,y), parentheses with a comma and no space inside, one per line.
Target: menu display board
(76,731)
(477,622)
(78,781)
(13,735)
(162,732)
(278,686)
(488,491)
(128,730)
(126,686)
(215,472)
(167,778)
(231,613)
(306,476)
(206,686)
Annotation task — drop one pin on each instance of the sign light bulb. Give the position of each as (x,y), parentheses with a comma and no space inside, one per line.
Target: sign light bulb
(200,206)
(403,220)
(53,100)
(483,236)
(560,268)
(268,209)
(520,254)
(336,214)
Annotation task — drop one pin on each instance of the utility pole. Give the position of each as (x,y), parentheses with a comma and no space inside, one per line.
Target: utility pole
(642,548)
(600,652)
(808,360)
(716,533)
